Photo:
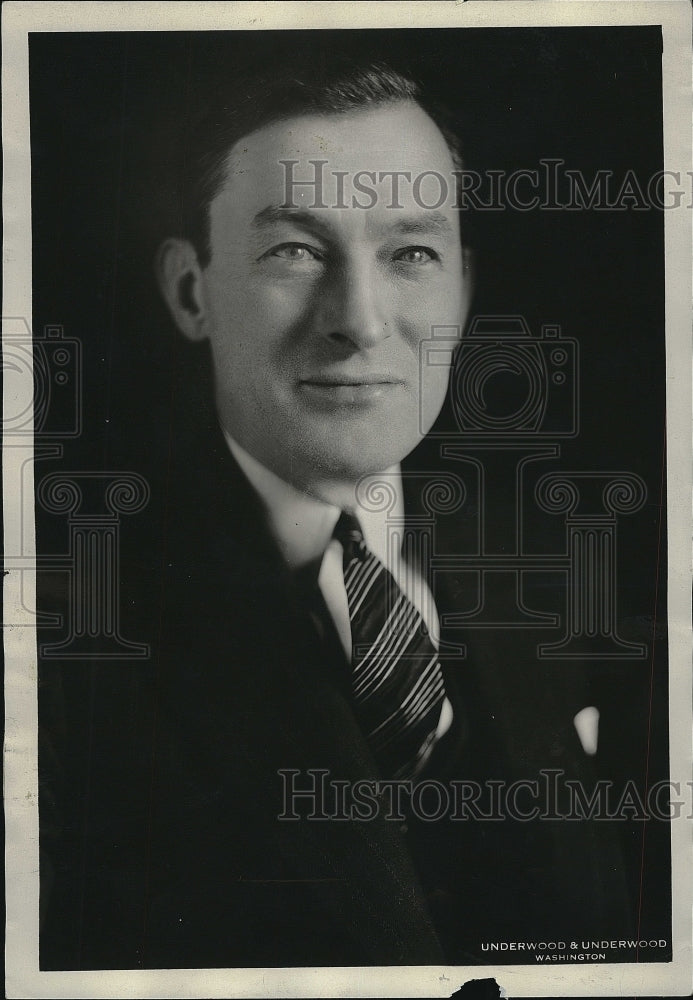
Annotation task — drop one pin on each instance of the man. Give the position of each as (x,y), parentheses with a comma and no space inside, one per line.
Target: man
(319,246)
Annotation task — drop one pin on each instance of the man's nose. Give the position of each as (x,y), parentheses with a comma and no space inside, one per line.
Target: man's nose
(352,308)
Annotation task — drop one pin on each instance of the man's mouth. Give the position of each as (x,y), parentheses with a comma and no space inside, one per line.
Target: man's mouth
(349,390)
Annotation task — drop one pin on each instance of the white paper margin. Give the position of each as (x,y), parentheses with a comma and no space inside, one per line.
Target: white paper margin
(23,978)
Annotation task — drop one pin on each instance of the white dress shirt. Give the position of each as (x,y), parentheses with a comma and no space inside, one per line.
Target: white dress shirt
(302,527)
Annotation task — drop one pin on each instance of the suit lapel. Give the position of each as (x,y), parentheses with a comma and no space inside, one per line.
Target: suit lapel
(277,698)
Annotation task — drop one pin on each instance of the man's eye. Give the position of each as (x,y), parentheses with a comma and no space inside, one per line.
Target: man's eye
(295,252)
(416,255)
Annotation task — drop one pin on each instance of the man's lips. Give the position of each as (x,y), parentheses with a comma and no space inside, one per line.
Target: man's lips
(336,390)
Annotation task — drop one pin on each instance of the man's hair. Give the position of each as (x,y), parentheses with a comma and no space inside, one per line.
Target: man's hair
(250,102)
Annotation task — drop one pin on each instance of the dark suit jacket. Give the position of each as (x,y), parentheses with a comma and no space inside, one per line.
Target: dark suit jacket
(161,791)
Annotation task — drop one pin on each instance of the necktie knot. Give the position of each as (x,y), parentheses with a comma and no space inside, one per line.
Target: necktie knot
(348,532)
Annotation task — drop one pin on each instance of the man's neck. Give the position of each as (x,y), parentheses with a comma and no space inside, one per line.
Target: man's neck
(302,522)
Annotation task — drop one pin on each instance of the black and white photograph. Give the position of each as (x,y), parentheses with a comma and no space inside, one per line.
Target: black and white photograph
(346,359)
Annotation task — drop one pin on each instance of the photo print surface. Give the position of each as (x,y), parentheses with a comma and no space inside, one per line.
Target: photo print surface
(347,462)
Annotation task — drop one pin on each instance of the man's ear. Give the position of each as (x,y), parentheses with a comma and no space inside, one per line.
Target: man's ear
(180,280)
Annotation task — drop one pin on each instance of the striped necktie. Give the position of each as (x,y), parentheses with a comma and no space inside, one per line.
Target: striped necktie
(397,681)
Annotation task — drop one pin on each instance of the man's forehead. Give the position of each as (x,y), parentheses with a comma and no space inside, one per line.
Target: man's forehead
(390,155)
(402,122)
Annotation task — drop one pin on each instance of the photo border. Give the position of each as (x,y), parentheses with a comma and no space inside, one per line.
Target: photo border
(23,977)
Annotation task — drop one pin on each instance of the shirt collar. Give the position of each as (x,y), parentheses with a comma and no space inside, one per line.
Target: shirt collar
(302,525)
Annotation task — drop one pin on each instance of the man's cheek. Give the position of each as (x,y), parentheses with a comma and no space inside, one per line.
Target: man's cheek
(277,315)
(434,385)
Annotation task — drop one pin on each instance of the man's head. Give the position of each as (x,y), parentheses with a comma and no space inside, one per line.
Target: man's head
(315,297)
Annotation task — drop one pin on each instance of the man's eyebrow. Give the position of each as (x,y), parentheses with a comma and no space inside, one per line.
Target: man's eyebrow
(427,222)
(430,222)
(273,214)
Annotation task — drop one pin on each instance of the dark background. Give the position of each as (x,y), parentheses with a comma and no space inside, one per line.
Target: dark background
(106,117)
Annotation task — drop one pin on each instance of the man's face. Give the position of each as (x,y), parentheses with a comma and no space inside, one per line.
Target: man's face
(315,314)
